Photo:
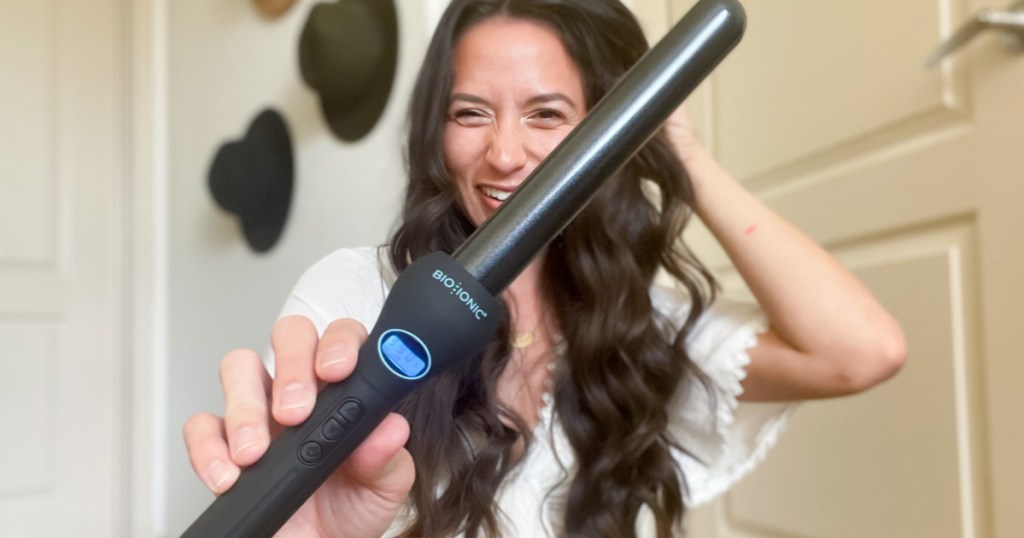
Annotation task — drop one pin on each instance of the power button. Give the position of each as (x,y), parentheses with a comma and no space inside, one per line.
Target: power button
(311,452)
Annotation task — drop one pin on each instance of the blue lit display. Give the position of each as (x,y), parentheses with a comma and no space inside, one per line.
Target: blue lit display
(404,354)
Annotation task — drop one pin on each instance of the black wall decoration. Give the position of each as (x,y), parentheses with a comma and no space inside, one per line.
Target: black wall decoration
(347,54)
(253,178)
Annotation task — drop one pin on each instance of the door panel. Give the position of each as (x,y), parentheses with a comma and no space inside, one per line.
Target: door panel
(861,86)
(903,459)
(27,141)
(60,270)
(26,384)
(913,179)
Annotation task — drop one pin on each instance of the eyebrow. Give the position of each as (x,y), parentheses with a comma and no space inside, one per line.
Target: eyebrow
(537,99)
(548,97)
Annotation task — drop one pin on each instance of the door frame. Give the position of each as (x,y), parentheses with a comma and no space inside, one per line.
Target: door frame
(144,288)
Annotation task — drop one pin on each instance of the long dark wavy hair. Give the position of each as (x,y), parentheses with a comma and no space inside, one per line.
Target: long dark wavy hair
(620,365)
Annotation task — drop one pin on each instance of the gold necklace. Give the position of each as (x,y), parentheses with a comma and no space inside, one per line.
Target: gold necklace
(522,339)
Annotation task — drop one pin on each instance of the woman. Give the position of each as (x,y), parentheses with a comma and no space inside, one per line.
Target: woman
(606,404)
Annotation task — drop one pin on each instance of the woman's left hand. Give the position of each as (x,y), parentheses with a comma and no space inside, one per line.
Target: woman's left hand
(680,131)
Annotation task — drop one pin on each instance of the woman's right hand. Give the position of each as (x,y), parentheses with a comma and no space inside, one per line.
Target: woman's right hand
(363,496)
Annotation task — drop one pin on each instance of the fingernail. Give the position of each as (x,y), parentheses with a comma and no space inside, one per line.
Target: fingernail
(219,473)
(294,396)
(332,360)
(243,439)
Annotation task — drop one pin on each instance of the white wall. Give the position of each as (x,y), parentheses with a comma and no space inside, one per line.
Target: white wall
(225,63)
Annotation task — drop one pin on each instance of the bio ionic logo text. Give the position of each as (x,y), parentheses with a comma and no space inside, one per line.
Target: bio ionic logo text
(455,287)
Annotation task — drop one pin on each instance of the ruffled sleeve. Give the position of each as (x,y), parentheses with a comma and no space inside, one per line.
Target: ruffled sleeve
(725,438)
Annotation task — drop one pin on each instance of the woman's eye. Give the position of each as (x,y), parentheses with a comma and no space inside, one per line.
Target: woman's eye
(470,117)
(547,117)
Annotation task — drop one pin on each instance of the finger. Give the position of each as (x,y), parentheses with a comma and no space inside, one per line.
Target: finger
(375,480)
(338,349)
(246,385)
(381,464)
(208,452)
(294,340)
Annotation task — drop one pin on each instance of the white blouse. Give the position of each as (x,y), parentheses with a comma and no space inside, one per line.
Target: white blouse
(726,441)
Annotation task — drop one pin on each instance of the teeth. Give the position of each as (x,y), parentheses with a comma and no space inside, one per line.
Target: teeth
(499,195)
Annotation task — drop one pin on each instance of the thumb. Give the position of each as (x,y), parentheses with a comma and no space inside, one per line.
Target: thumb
(381,464)
(367,494)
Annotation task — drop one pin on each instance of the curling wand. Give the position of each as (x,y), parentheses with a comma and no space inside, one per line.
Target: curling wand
(442,309)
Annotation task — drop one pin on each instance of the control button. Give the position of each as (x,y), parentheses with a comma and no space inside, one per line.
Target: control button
(332,429)
(311,453)
(350,411)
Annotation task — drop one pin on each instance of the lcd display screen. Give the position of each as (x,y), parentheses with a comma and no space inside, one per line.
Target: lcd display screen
(403,357)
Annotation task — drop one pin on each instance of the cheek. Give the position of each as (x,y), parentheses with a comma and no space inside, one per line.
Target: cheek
(458,152)
(546,142)
(553,141)
(459,162)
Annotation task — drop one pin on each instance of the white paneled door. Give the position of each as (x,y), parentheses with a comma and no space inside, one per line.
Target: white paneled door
(61,174)
(914,178)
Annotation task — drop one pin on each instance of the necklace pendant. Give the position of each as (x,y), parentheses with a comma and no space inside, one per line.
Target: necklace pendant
(522,339)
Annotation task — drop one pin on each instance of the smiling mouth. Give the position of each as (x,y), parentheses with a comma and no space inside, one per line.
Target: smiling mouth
(496,194)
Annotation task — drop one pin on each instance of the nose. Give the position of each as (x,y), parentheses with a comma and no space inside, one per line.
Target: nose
(507,151)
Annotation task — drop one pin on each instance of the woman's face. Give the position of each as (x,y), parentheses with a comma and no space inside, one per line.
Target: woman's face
(515,95)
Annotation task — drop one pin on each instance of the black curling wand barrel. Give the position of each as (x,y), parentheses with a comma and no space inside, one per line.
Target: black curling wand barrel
(612,132)
(439,311)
